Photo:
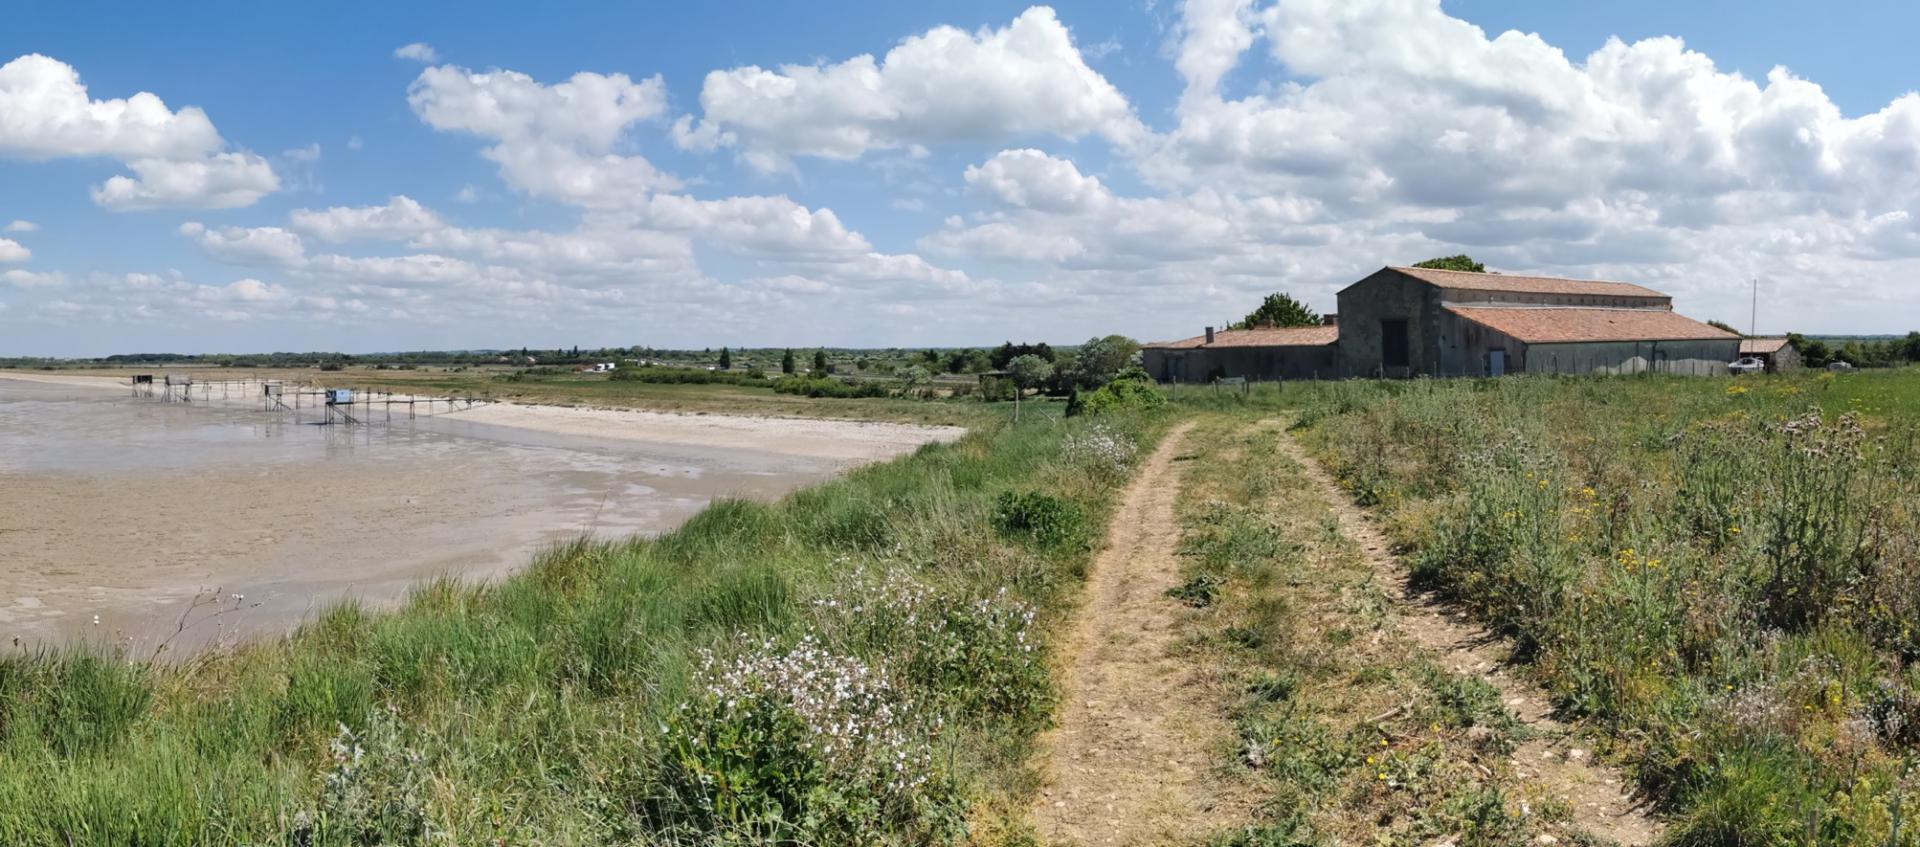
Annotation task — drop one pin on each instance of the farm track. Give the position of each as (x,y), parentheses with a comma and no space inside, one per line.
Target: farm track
(1135,757)
(1598,795)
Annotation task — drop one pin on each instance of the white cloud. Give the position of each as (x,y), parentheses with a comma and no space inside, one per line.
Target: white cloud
(265,245)
(947,85)
(221,181)
(1034,180)
(399,271)
(554,141)
(243,291)
(418,51)
(21,226)
(46,113)
(1394,132)
(29,279)
(11,251)
(399,219)
(1401,105)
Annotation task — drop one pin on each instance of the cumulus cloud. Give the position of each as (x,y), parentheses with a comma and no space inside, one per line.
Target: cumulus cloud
(21,226)
(28,279)
(1393,131)
(563,142)
(176,156)
(946,85)
(418,51)
(556,141)
(399,219)
(1403,105)
(11,251)
(247,245)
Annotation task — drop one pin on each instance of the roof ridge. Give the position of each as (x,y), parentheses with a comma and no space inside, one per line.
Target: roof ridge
(1511,275)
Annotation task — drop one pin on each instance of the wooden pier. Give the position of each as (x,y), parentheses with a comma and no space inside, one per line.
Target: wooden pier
(349,406)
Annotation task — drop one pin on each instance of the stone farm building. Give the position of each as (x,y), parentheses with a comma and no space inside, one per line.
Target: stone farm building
(1776,352)
(1408,322)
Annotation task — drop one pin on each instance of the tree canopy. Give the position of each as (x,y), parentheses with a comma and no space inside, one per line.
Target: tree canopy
(1462,262)
(1098,360)
(1029,371)
(1007,352)
(1279,309)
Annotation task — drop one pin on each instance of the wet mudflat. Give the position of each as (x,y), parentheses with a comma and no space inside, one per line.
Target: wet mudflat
(122,519)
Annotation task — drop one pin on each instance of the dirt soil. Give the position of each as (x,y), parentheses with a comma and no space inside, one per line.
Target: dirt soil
(1135,757)
(1601,800)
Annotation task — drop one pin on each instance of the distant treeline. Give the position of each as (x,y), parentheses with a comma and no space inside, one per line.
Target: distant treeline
(1863,352)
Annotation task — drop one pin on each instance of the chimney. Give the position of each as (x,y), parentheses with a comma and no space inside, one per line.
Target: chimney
(1330,319)
(1209,335)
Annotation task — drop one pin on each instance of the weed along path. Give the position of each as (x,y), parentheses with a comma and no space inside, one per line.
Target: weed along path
(1133,759)
(1596,796)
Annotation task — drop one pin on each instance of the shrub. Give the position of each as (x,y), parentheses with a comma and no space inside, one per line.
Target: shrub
(806,746)
(821,386)
(976,654)
(1100,450)
(1131,390)
(1049,521)
(374,790)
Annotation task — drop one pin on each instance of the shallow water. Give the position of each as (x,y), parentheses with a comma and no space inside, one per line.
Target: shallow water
(130,520)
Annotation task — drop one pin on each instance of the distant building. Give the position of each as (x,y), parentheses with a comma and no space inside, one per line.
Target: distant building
(1776,352)
(1407,322)
(1260,353)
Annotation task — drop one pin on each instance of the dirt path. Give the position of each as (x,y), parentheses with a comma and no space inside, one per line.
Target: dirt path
(1601,802)
(1134,758)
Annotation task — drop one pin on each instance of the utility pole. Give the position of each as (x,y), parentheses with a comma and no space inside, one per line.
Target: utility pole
(1753,320)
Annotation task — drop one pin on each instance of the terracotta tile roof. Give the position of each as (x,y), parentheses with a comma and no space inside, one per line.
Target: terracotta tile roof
(1300,336)
(1760,346)
(1468,281)
(1560,325)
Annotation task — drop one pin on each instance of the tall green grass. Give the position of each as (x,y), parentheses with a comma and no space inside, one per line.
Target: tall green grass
(613,692)
(1724,574)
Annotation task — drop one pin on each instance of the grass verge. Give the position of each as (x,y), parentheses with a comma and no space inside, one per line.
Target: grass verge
(861,662)
(1352,732)
(1723,575)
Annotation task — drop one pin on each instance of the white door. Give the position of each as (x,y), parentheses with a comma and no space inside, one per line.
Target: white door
(1496,362)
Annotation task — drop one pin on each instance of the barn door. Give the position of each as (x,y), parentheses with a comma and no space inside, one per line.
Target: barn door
(1394,352)
(1496,362)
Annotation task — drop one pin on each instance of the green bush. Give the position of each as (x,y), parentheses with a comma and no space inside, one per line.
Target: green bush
(822,386)
(802,746)
(1050,521)
(1131,390)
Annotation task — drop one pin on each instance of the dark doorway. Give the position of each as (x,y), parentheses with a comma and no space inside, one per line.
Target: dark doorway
(1393,343)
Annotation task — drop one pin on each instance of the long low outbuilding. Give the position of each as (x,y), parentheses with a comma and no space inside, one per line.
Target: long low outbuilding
(1407,322)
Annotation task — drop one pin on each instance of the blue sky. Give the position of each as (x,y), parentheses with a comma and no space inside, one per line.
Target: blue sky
(1019,172)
